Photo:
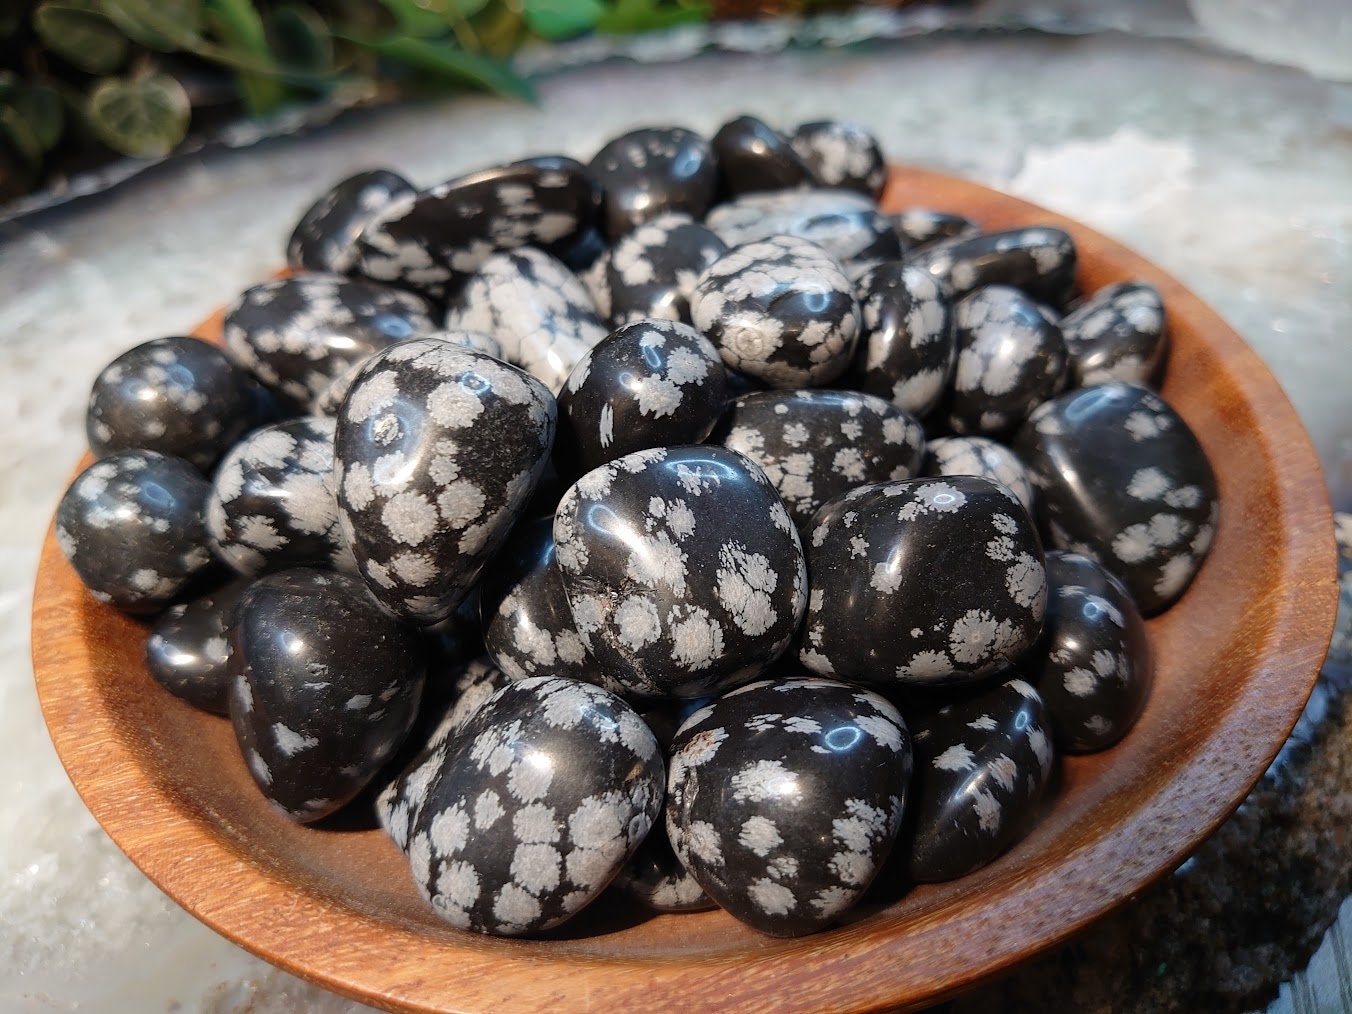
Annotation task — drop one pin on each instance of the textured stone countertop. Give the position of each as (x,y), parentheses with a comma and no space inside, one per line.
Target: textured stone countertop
(1234,175)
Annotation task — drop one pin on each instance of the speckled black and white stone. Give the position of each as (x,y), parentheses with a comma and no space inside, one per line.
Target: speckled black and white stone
(651,383)
(325,238)
(845,224)
(581,248)
(656,878)
(273,503)
(753,156)
(931,582)
(906,345)
(780,310)
(650,172)
(540,799)
(297,334)
(472,683)
(1094,669)
(683,569)
(133,526)
(327,403)
(325,687)
(979,456)
(188,652)
(1122,479)
(651,271)
(1118,333)
(1011,358)
(528,627)
(437,451)
(538,311)
(816,445)
(981,768)
(429,241)
(178,396)
(785,798)
(842,154)
(919,227)
(1040,260)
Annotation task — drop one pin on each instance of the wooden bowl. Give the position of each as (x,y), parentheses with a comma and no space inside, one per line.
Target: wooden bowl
(1237,658)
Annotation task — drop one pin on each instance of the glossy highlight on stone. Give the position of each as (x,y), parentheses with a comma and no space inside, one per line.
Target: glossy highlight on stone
(785,798)
(188,652)
(1040,260)
(1118,333)
(754,156)
(844,223)
(906,343)
(651,172)
(325,238)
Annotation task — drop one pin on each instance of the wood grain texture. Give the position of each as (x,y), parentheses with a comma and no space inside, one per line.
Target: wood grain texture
(1237,659)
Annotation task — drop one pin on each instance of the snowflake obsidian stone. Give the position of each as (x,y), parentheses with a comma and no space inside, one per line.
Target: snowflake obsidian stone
(651,272)
(538,801)
(906,350)
(785,797)
(427,485)
(923,581)
(326,236)
(780,310)
(273,503)
(683,569)
(1040,260)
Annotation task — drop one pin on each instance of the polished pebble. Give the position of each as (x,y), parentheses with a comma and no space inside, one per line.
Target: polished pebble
(1011,358)
(539,800)
(651,172)
(273,503)
(540,314)
(651,272)
(188,652)
(133,526)
(1094,670)
(1123,480)
(754,156)
(785,798)
(1118,333)
(781,310)
(982,766)
(1040,260)
(325,238)
(815,445)
(528,627)
(683,569)
(842,154)
(979,456)
(427,487)
(906,343)
(325,687)
(931,582)
(179,396)
(430,241)
(845,224)
(649,384)
(918,227)
(297,334)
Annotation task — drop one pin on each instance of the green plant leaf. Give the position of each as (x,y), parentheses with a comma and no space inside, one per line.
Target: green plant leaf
(77,32)
(447,60)
(630,16)
(42,109)
(164,25)
(301,39)
(418,20)
(20,137)
(561,19)
(145,116)
(238,24)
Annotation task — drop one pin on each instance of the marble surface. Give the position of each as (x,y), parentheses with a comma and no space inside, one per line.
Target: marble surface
(1234,175)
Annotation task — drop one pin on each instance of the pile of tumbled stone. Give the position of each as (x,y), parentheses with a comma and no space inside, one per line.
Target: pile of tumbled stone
(675,521)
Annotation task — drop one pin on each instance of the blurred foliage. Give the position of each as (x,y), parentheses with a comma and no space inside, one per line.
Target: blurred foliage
(83,80)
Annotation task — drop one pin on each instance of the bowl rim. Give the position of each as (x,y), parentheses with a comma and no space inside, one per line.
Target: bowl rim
(173,848)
